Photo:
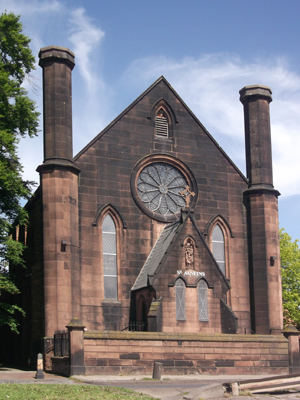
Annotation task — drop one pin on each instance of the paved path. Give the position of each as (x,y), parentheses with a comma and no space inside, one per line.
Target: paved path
(188,387)
(13,375)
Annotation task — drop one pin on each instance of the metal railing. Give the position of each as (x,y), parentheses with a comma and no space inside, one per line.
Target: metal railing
(131,326)
(61,344)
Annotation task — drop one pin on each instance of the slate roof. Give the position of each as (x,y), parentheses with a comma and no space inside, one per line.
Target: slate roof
(161,249)
(157,254)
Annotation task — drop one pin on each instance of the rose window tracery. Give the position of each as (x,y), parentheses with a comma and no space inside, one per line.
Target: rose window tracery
(158,187)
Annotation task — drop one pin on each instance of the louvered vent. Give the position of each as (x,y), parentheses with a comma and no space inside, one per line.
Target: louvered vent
(161,126)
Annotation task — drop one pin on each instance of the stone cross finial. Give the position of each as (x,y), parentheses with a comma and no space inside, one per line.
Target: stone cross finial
(187,193)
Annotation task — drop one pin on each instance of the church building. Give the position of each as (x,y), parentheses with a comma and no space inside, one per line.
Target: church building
(152,227)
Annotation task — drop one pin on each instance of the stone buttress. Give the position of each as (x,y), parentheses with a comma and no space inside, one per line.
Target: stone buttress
(59,182)
(262,213)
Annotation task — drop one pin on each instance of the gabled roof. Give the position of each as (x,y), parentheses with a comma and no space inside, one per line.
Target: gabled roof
(161,250)
(161,79)
(157,255)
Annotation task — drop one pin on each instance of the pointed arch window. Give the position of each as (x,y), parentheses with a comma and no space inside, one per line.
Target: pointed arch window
(180,300)
(203,301)
(161,124)
(109,246)
(218,245)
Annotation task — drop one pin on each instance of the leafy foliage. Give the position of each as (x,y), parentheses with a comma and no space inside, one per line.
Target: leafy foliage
(18,118)
(290,273)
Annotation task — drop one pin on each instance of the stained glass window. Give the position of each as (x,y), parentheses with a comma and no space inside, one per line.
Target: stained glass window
(159,185)
(218,244)
(109,245)
(202,301)
(180,300)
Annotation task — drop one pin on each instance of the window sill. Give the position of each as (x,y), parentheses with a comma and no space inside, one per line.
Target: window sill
(161,139)
(111,302)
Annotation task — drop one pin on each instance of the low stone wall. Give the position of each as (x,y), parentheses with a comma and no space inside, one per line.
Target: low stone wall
(61,366)
(48,360)
(135,352)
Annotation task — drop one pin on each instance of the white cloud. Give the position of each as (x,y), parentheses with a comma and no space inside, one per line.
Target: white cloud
(85,38)
(91,109)
(25,7)
(210,85)
(37,18)
(53,22)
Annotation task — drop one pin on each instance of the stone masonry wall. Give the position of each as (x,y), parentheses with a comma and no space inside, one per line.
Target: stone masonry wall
(106,166)
(167,276)
(135,353)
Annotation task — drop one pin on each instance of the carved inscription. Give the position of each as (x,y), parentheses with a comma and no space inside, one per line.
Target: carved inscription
(190,273)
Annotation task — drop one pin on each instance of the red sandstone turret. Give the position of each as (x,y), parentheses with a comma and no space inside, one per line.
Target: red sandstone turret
(59,182)
(262,213)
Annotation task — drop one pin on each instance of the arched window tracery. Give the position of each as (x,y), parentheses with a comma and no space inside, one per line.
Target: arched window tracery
(218,247)
(203,301)
(180,300)
(109,249)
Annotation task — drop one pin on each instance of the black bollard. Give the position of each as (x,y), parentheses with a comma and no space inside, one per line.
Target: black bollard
(39,372)
(157,369)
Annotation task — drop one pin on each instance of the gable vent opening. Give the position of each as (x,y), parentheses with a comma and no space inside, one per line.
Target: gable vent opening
(161,125)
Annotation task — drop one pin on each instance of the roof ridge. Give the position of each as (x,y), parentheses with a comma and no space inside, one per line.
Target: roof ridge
(160,79)
(115,120)
(142,278)
(164,244)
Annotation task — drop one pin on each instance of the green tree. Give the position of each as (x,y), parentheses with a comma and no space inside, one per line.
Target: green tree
(290,274)
(18,118)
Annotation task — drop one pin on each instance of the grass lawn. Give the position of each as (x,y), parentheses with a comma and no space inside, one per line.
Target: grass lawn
(13,391)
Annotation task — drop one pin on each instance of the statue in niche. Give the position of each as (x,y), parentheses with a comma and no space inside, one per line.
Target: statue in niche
(189,254)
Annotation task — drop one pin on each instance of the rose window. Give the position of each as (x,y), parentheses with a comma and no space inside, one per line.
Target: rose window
(158,187)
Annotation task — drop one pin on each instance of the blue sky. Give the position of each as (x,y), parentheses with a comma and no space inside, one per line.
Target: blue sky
(207,50)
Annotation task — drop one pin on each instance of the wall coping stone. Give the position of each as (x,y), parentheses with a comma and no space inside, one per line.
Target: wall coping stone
(204,337)
(290,330)
(56,54)
(75,323)
(258,91)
